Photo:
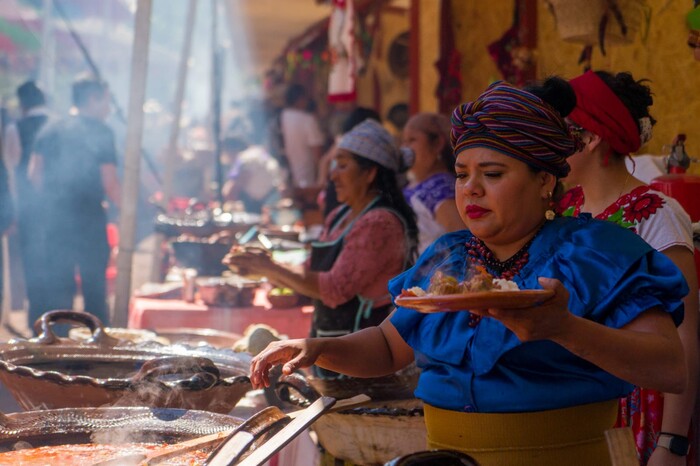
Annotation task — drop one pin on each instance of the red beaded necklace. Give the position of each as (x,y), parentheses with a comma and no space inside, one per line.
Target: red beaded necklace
(479,254)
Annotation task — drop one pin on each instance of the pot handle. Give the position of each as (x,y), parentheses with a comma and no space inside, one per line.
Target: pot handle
(5,421)
(196,373)
(280,386)
(42,327)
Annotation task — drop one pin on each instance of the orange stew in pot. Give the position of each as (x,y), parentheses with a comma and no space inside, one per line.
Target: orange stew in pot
(88,454)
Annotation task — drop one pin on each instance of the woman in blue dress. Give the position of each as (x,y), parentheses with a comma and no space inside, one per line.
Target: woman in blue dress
(523,387)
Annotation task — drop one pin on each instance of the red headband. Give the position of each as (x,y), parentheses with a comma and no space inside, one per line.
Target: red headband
(600,111)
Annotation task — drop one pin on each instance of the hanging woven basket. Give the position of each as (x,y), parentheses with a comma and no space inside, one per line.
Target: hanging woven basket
(593,22)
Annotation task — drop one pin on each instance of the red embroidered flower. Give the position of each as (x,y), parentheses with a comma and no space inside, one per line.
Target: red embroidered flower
(572,198)
(642,207)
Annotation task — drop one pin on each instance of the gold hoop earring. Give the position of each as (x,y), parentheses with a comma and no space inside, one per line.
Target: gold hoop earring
(549,214)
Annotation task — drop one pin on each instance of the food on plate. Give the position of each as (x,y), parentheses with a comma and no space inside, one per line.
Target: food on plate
(442,284)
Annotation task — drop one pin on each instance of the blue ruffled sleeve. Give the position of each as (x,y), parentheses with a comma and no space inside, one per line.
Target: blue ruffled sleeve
(612,275)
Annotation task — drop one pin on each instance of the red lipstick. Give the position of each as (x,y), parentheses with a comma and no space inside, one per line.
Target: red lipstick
(474,211)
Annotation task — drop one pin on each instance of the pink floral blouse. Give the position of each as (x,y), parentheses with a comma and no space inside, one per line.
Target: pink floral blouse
(374,251)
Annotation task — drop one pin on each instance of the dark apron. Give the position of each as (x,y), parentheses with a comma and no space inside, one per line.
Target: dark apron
(352,315)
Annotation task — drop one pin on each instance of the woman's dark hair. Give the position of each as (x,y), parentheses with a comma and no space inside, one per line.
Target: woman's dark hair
(387,186)
(357,116)
(557,92)
(30,95)
(635,95)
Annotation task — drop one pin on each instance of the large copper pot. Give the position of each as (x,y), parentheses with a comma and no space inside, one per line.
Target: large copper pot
(48,372)
(250,442)
(108,425)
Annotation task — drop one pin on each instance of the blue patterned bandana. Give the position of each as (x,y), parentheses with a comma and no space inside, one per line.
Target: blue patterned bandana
(371,141)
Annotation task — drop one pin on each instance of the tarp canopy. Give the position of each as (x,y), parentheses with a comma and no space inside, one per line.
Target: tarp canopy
(14,37)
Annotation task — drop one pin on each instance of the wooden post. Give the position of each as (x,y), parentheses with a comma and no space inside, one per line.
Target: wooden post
(132,161)
(216,84)
(171,155)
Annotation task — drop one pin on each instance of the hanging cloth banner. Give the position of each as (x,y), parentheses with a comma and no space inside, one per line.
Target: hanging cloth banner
(343,53)
(449,88)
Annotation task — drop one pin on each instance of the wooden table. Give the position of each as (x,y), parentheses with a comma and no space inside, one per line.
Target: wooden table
(148,313)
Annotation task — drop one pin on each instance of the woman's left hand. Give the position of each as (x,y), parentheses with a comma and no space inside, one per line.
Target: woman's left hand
(541,322)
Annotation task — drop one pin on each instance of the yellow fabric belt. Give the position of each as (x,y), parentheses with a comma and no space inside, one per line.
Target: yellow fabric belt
(545,438)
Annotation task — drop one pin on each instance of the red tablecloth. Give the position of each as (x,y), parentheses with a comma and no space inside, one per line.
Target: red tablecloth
(170,313)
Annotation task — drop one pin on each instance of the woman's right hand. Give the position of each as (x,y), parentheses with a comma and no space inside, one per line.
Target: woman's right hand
(293,354)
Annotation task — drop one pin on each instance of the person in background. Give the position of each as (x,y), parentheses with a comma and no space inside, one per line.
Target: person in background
(431,190)
(302,137)
(536,386)
(19,141)
(74,167)
(612,117)
(328,199)
(368,239)
(255,177)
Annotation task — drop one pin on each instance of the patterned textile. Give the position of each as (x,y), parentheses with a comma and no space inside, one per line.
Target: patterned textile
(627,211)
(374,251)
(371,141)
(600,111)
(518,124)
(345,59)
(424,198)
(433,190)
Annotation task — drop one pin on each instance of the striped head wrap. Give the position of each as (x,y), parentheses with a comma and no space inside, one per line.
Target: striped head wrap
(518,124)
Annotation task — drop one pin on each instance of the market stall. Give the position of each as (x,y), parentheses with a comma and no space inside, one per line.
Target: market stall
(149,313)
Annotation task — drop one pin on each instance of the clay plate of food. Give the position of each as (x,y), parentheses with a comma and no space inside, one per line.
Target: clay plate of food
(481,291)
(476,300)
